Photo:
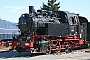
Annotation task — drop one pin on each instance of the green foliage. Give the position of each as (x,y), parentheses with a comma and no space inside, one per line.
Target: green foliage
(51,5)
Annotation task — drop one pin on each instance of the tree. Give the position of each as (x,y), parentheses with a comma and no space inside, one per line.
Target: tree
(51,5)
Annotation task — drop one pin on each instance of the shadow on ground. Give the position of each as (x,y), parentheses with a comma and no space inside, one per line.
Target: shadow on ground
(11,54)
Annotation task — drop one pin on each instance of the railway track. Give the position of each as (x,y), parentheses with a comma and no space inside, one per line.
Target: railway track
(9,54)
(73,51)
(61,53)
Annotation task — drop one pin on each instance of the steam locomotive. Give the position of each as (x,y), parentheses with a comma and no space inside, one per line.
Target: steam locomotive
(50,31)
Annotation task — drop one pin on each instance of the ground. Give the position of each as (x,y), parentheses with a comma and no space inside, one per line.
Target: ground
(69,56)
(80,55)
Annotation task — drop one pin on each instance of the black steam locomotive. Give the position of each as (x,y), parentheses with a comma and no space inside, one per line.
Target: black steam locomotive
(47,31)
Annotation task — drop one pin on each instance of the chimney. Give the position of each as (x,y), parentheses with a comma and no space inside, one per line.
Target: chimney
(31,9)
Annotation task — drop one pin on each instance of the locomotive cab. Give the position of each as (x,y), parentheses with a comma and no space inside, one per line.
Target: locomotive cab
(72,19)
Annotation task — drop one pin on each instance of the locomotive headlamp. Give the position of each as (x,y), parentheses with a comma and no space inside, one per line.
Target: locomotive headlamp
(23,15)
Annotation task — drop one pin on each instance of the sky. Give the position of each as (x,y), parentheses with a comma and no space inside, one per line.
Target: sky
(10,10)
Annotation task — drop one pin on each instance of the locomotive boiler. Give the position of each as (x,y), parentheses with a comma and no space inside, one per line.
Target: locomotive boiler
(48,31)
